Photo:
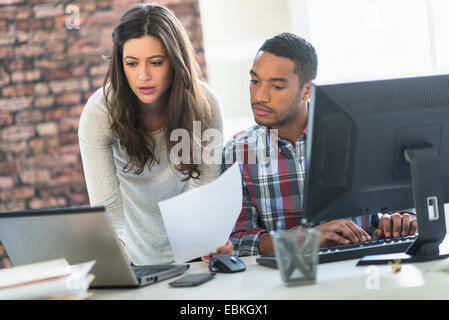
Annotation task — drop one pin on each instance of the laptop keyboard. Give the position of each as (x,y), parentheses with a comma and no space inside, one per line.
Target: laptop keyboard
(144,271)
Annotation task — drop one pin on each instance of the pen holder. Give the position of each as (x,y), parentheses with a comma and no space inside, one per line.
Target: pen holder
(297,255)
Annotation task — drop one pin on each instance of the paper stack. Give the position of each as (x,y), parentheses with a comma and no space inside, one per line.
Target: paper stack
(54,279)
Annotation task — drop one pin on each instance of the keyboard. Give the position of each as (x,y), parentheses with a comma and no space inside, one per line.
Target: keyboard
(359,250)
(352,250)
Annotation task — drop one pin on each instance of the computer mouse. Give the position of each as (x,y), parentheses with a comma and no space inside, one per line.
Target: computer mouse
(225,263)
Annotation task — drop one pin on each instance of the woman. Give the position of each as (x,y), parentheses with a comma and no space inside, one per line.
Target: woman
(152,87)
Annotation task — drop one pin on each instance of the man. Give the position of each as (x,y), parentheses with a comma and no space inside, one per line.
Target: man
(271,155)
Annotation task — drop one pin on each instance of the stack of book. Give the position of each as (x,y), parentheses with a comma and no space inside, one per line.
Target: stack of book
(53,279)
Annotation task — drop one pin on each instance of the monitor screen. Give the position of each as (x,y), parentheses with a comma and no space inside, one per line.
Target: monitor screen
(358,135)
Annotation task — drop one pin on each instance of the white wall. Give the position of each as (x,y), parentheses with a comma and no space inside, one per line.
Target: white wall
(354,39)
(233,31)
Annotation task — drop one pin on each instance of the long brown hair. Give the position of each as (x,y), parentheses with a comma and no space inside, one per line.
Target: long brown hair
(186,101)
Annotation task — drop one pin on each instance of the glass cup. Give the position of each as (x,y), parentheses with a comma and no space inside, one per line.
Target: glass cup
(297,255)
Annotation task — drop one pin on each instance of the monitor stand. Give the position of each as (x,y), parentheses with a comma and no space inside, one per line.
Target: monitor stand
(428,194)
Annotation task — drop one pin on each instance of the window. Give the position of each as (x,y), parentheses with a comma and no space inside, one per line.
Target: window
(440,20)
(382,38)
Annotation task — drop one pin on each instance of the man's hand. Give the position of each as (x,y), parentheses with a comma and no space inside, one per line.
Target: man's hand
(396,225)
(226,249)
(341,232)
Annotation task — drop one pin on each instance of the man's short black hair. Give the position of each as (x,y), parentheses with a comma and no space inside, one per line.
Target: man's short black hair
(297,49)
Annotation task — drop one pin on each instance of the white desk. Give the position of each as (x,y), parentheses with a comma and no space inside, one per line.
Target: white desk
(338,280)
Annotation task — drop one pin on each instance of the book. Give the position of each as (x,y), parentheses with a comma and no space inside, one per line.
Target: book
(53,279)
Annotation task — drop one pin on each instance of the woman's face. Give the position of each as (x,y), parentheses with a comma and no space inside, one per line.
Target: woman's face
(147,69)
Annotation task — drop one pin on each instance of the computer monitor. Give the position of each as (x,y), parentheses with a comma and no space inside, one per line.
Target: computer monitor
(380,145)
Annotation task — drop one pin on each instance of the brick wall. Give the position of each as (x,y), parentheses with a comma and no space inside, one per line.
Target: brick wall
(50,63)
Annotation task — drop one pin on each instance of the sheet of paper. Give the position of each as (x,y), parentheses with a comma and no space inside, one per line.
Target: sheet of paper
(53,279)
(200,220)
(19,275)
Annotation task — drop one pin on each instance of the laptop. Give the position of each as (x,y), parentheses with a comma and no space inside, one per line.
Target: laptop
(78,235)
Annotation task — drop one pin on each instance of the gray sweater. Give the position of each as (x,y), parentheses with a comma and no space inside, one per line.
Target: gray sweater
(131,200)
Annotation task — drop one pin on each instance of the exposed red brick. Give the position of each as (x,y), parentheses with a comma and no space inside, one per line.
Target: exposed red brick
(32,2)
(58,74)
(5,119)
(68,124)
(76,110)
(97,82)
(14,205)
(56,114)
(104,4)
(44,102)
(25,76)
(47,129)
(5,2)
(6,52)
(44,145)
(69,150)
(43,203)
(15,12)
(8,167)
(41,89)
(99,70)
(69,98)
(68,139)
(18,90)
(29,116)
(47,73)
(48,192)
(7,182)
(29,24)
(79,199)
(14,149)
(48,10)
(123,4)
(17,193)
(69,85)
(104,17)
(15,104)
(49,161)
(34,176)
(19,64)
(17,132)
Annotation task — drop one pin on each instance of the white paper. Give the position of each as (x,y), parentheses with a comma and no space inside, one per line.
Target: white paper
(200,221)
(46,280)
(34,272)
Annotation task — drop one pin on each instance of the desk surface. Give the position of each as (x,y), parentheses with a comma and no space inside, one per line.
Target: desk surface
(338,280)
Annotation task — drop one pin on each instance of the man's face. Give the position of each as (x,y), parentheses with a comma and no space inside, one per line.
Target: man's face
(276,96)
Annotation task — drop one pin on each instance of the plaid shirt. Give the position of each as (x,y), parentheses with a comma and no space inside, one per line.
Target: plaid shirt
(273,184)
